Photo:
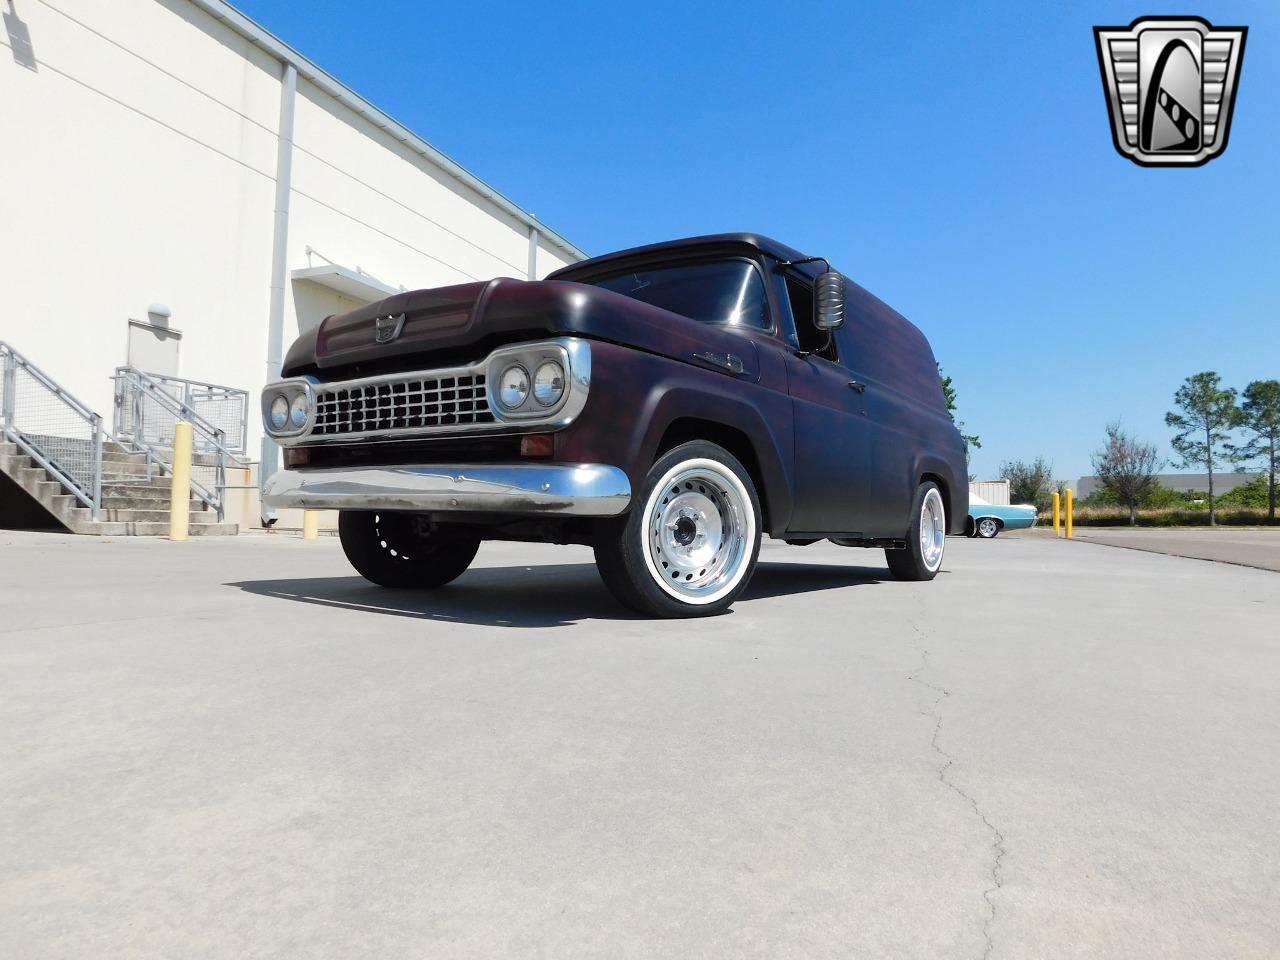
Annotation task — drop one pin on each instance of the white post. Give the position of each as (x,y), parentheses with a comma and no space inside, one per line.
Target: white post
(533,253)
(279,252)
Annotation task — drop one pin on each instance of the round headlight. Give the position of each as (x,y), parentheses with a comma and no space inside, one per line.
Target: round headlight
(513,387)
(298,411)
(548,383)
(279,412)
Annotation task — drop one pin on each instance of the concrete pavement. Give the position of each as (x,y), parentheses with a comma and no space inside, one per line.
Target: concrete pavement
(1250,547)
(238,749)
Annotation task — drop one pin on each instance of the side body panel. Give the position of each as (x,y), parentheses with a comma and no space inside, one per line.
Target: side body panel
(911,435)
(833,468)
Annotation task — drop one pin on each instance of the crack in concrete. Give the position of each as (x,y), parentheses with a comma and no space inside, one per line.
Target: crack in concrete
(997,841)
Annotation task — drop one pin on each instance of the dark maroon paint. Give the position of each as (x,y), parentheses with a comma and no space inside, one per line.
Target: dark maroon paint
(827,458)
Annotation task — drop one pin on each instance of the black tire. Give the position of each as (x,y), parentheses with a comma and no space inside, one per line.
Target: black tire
(396,550)
(713,503)
(912,563)
(987,528)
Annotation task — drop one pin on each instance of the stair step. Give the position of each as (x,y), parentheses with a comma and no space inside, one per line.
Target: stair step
(132,505)
(11,463)
(157,516)
(129,528)
(113,469)
(122,456)
(214,530)
(153,488)
(92,529)
(146,503)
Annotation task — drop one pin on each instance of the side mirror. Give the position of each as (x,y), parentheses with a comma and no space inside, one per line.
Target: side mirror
(828,295)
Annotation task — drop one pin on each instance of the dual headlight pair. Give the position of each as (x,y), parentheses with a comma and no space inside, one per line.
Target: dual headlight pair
(284,413)
(515,385)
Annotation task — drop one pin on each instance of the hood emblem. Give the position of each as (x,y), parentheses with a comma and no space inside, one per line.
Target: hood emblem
(386,329)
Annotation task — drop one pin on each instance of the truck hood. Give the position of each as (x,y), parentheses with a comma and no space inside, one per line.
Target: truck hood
(445,324)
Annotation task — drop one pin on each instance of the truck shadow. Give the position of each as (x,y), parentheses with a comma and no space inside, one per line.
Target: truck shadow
(549,595)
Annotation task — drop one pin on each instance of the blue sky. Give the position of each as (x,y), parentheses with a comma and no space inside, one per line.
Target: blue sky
(955,159)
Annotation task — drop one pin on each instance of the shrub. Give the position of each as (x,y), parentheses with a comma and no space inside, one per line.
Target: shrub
(1251,494)
(1117,516)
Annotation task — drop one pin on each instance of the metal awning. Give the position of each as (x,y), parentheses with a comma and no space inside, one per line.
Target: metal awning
(346,281)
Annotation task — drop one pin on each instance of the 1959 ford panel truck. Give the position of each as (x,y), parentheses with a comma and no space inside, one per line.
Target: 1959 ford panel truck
(666,405)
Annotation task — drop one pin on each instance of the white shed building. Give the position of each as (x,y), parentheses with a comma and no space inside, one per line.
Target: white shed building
(183,191)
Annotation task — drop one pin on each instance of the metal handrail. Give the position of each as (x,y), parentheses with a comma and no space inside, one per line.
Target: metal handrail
(89,493)
(190,389)
(211,439)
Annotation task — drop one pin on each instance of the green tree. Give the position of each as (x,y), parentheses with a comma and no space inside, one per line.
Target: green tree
(1126,467)
(1260,417)
(949,391)
(1028,482)
(1207,412)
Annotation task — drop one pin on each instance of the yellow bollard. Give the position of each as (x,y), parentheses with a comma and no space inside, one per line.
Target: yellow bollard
(310,524)
(1070,518)
(180,488)
(1057,513)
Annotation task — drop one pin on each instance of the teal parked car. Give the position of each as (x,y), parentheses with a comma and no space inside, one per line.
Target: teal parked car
(988,519)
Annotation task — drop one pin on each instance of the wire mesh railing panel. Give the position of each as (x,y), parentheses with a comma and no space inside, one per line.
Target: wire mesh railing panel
(154,421)
(52,427)
(208,476)
(226,410)
(151,421)
(60,433)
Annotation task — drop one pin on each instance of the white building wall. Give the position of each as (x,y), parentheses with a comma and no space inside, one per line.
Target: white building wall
(124,184)
(138,166)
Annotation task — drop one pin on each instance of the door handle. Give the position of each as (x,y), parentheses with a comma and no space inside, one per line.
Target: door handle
(858,386)
(727,360)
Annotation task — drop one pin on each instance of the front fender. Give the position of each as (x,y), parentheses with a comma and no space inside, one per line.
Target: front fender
(635,398)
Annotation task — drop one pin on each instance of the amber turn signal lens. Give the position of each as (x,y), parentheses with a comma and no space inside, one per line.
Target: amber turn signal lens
(536,445)
(296,456)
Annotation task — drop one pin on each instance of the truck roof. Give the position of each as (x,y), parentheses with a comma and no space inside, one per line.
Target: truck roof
(766,245)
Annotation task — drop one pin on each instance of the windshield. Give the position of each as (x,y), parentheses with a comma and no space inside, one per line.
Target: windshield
(725,292)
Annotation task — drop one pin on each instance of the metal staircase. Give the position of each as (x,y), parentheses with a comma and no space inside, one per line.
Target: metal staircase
(90,480)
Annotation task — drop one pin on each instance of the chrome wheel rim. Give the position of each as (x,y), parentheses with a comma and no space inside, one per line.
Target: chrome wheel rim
(987,528)
(699,531)
(933,530)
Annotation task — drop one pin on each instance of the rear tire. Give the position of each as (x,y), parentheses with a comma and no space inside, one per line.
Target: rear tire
(689,544)
(987,528)
(396,550)
(926,537)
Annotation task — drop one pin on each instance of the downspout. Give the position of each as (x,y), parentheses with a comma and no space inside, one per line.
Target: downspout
(279,257)
(533,253)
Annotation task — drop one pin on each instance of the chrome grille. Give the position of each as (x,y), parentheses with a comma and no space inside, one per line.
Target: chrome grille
(411,403)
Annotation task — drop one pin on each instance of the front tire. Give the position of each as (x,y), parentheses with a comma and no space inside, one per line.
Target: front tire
(399,550)
(689,544)
(926,538)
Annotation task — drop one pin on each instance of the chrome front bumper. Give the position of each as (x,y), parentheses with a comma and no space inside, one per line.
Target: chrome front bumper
(581,490)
